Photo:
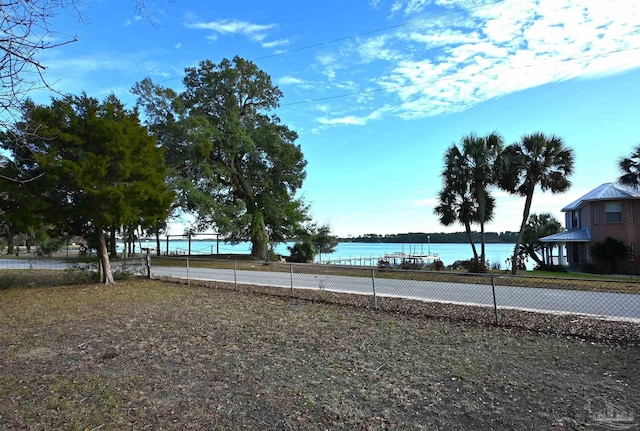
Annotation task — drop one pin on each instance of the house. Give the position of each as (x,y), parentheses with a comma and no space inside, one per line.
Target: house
(608,210)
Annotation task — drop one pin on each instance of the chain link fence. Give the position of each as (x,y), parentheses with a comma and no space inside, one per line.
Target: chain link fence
(571,305)
(608,299)
(32,270)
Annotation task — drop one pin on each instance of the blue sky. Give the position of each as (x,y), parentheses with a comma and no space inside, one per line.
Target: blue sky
(378,89)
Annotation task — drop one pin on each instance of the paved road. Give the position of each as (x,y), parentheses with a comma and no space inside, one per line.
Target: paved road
(605,304)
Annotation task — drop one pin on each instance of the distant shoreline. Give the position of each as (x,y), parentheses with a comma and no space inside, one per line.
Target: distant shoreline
(507,237)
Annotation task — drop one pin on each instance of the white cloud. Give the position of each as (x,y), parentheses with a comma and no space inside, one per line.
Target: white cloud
(352,120)
(290,80)
(253,31)
(231,27)
(275,43)
(375,48)
(129,22)
(457,61)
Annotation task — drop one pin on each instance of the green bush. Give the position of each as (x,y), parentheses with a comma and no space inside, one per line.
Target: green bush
(49,246)
(302,252)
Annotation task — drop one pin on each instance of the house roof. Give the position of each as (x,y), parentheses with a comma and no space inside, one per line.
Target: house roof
(606,191)
(573,235)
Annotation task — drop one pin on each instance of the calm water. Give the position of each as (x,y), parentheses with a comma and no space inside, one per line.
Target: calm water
(448,253)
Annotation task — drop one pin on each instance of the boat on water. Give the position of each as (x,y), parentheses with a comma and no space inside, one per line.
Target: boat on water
(402,258)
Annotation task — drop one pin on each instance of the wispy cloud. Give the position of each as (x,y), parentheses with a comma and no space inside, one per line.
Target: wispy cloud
(130,22)
(298,83)
(351,120)
(510,47)
(256,32)
(276,43)
(449,64)
(290,80)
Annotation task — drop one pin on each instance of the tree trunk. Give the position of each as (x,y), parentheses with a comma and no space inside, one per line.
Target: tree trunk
(525,217)
(482,213)
(113,252)
(103,254)
(533,255)
(6,231)
(158,244)
(467,229)
(259,237)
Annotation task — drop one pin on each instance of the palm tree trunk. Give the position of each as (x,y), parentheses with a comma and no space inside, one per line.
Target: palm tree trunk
(481,213)
(533,255)
(467,228)
(525,217)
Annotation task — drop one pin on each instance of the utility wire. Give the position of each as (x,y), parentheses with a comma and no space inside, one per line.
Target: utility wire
(448,78)
(367,33)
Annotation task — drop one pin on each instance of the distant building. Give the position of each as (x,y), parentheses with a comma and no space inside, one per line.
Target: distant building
(608,210)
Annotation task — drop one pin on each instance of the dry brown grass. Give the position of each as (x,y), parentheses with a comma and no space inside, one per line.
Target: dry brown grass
(155,355)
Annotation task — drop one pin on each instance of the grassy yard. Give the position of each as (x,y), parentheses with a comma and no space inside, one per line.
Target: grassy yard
(162,356)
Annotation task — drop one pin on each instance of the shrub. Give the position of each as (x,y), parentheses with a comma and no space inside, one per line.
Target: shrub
(411,266)
(303,252)
(551,268)
(437,265)
(49,246)
(384,264)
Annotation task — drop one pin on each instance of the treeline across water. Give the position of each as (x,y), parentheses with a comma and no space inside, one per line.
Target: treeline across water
(440,237)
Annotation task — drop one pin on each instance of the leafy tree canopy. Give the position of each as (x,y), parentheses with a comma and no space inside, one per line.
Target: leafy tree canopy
(234,165)
(630,169)
(96,167)
(467,175)
(538,160)
(609,252)
(538,226)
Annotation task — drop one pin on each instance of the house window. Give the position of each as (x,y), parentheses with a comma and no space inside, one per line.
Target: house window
(575,219)
(613,212)
(596,213)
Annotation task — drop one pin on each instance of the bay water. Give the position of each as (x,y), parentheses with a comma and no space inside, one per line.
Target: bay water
(356,252)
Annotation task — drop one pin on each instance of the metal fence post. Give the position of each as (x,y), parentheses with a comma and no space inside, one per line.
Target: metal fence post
(147,262)
(235,273)
(495,304)
(373,285)
(291,275)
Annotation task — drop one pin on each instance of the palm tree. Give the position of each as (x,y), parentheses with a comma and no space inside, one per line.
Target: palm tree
(630,168)
(458,199)
(480,155)
(609,252)
(538,226)
(537,160)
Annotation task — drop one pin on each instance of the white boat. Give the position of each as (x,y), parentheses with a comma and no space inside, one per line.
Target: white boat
(400,258)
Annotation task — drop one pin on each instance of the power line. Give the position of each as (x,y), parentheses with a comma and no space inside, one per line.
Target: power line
(367,33)
(377,90)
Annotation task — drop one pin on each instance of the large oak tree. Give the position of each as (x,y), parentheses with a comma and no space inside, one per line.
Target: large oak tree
(234,165)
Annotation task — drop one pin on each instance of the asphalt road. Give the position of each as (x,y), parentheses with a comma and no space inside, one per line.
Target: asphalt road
(606,304)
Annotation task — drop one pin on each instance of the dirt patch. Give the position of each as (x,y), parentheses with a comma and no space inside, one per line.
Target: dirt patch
(155,355)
